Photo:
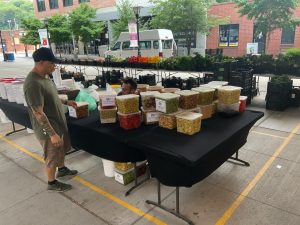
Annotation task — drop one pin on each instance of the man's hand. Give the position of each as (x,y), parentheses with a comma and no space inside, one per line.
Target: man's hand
(56,140)
(72,103)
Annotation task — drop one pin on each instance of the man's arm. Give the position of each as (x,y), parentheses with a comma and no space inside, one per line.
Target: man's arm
(42,119)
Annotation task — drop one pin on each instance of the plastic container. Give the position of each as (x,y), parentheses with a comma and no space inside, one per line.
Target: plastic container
(168,120)
(142,87)
(216,82)
(243,102)
(150,116)
(167,102)
(107,99)
(148,99)
(206,95)
(124,177)
(229,108)
(81,111)
(108,167)
(229,94)
(128,104)
(188,99)
(170,90)
(130,121)
(155,88)
(108,115)
(188,122)
(207,111)
(123,166)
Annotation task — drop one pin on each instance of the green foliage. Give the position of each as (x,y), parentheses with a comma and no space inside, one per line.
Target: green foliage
(269,17)
(59,28)
(31,26)
(15,11)
(187,16)
(293,55)
(82,24)
(280,79)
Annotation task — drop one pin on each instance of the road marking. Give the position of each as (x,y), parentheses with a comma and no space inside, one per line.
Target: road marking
(271,135)
(92,186)
(228,213)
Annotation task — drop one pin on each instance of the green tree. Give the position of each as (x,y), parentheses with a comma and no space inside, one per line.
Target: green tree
(31,26)
(269,15)
(187,16)
(125,13)
(82,24)
(14,11)
(59,29)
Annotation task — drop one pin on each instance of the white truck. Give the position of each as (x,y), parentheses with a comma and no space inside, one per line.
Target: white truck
(159,42)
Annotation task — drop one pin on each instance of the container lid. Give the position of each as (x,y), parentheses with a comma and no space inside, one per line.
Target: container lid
(167,96)
(124,97)
(142,85)
(154,88)
(149,93)
(189,115)
(79,104)
(107,93)
(102,110)
(130,114)
(186,93)
(202,89)
(170,90)
(243,98)
(216,82)
(149,110)
(229,88)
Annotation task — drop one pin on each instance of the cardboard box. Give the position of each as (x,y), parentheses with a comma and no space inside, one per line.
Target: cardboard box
(124,177)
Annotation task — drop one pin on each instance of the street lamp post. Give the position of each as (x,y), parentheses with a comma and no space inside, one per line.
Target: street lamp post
(136,10)
(12,35)
(46,23)
(2,45)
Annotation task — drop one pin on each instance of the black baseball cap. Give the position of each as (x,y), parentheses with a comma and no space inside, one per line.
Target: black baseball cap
(44,54)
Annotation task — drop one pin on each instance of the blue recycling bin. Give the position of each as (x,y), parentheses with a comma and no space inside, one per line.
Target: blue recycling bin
(9,56)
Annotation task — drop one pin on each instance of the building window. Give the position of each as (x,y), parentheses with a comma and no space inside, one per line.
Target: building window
(41,5)
(288,36)
(229,35)
(53,4)
(67,2)
(82,1)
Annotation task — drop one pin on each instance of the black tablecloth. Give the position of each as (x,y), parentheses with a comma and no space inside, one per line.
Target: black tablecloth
(181,160)
(16,112)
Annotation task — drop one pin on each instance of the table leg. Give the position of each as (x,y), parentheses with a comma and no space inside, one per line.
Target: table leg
(14,129)
(136,183)
(240,162)
(175,213)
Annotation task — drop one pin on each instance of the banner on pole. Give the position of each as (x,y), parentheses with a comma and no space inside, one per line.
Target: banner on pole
(132,27)
(43,38)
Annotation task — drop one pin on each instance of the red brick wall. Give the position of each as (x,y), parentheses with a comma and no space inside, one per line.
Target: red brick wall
(245,32)
(8,35)
(61,9)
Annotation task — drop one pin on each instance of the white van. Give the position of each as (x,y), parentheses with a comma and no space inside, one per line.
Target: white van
(158,42)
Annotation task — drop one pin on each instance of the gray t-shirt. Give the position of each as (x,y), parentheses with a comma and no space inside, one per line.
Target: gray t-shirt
(39,91)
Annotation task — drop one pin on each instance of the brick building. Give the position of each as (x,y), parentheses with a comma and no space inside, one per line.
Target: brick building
(12,43)
(234,36)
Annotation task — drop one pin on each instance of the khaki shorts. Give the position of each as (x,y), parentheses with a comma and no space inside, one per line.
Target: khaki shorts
(55,156)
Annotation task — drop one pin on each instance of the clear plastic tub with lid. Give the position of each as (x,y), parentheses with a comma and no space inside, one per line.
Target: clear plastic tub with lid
(155,88)
(229,94)
(107,99)
(108,115)
(150,116)
(148,99)
(142,87)
(81,111)
(206,95)
(170,90)
(128,103)
(188,122)
(130,121)
(168,121)
(188,99)
(167,102)
(207,111)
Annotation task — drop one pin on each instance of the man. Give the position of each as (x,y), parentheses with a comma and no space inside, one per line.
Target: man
(129,86)
(47,118)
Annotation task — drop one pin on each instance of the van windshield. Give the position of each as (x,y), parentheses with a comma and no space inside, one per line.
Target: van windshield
(167,44)
(116,46)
